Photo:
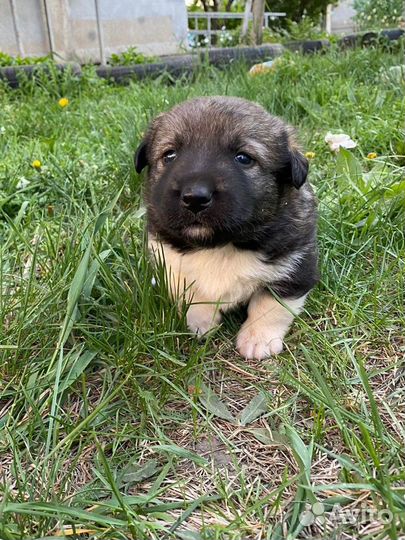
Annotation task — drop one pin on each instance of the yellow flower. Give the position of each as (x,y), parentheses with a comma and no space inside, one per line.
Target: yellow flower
(372,155)
(310,155)
(36,164)
(63,102)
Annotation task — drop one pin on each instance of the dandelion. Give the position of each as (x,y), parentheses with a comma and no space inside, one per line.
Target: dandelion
(63,102)
(371,155)
(310,155)
(339,140)
(36,164)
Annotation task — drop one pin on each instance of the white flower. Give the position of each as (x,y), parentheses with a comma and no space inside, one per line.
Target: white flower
(2,130)
(339,140)
(23,183)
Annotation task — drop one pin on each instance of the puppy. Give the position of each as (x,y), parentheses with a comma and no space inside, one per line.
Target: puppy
(232,216)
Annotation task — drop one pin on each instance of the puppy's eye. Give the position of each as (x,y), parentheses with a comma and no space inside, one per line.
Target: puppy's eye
(243,159)
(169,156)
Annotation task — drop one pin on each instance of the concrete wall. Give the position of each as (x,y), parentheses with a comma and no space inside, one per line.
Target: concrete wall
(31,24)
(342,18)
(152,26)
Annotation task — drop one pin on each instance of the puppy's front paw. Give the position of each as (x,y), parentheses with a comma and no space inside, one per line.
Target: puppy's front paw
(258,341)
(203,317)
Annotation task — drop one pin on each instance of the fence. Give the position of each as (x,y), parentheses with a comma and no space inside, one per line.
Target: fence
(208,32)
(91,30)
(48,26)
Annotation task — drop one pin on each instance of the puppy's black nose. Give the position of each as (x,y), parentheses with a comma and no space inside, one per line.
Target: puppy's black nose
(196,198)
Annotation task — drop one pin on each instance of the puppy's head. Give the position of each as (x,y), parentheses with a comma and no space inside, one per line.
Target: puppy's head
(218,167)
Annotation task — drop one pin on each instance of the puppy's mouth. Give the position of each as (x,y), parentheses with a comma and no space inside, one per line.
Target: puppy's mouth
(198,232)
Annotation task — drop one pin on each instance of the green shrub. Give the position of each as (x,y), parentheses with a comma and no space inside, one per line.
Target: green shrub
(8,60)
(129,57)
(297,9)
(378,13)
(290,31)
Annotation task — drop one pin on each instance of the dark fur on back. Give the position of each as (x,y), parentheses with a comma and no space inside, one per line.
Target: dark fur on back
(267,207)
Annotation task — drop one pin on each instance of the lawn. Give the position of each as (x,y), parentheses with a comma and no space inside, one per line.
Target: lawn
(114,421)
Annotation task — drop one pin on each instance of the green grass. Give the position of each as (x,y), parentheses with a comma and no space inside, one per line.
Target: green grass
(115,422)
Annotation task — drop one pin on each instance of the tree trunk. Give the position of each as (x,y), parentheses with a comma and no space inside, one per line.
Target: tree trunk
(258,15)
(208,7)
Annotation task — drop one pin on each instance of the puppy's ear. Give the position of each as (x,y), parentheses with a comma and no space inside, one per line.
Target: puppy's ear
(141,158)
(294,166)
(299,168)
(294,171)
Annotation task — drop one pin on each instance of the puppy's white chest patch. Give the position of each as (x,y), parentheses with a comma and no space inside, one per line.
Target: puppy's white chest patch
(223,274)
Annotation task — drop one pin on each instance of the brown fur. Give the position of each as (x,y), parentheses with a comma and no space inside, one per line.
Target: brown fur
(259,228)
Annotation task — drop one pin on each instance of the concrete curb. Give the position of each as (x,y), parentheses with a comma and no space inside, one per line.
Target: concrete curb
(13,74)
(187,63)
(309,46)
(177,65)
(368,38)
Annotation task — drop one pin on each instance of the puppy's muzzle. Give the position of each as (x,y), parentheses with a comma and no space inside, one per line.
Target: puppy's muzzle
(196,198)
